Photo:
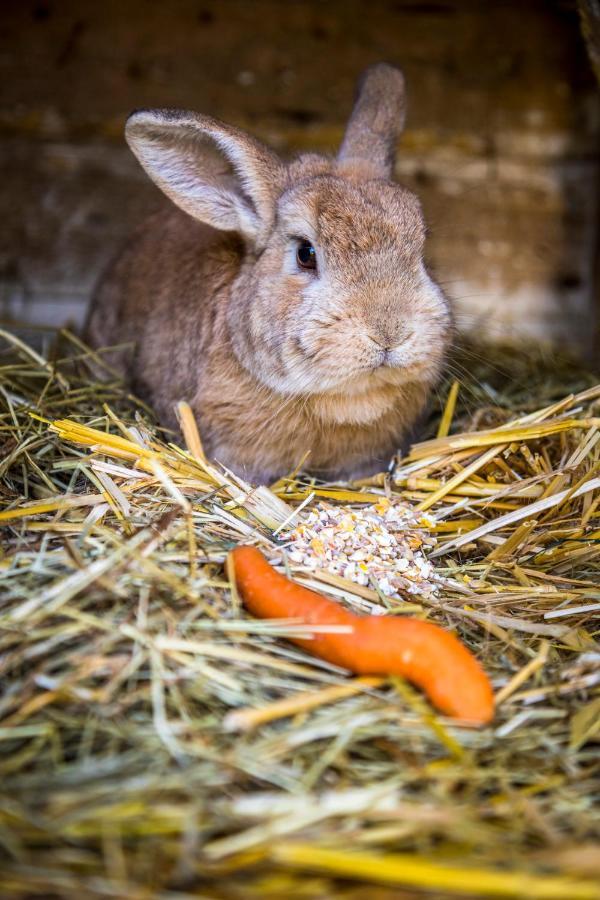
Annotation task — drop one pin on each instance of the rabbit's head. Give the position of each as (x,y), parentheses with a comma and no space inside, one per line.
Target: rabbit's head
(331,295)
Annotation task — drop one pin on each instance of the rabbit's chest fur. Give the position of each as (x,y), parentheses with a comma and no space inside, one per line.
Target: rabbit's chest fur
(266,435)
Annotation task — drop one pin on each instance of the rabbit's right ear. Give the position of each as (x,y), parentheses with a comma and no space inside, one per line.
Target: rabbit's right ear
(377,119)
(177,150)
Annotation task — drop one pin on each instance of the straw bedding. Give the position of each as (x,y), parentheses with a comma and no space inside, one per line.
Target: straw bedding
(157,742)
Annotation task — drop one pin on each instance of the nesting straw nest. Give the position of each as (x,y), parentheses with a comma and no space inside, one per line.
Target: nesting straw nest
(155,741)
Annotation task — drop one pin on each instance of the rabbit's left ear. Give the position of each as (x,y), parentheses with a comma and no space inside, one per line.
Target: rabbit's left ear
(377,119)
(216,173)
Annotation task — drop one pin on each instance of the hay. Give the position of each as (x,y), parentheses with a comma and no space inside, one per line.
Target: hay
(156,742)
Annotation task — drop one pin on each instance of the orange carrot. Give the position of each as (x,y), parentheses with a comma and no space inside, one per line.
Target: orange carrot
(421,652)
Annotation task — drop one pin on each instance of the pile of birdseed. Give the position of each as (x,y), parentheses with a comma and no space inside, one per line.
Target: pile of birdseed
(382,546)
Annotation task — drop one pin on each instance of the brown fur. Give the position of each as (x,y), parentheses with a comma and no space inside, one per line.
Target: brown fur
(276,361)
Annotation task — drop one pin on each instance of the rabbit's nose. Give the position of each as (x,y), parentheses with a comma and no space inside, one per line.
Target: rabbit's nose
(389,341)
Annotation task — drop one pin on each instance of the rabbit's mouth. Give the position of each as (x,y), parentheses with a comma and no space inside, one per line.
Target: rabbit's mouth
(377,377)
(392,373)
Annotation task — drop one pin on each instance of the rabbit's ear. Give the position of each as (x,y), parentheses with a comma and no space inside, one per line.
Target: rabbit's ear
(376,120)
(214,172)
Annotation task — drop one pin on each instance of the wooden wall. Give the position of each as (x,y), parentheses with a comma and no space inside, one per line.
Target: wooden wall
(501,139)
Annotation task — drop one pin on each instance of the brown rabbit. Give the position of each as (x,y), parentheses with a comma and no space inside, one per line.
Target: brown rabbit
(288,303)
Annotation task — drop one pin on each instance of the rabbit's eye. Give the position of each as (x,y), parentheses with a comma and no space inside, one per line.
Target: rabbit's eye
(306,255)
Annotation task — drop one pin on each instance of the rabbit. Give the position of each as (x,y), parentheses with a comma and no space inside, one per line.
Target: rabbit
(287,302)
